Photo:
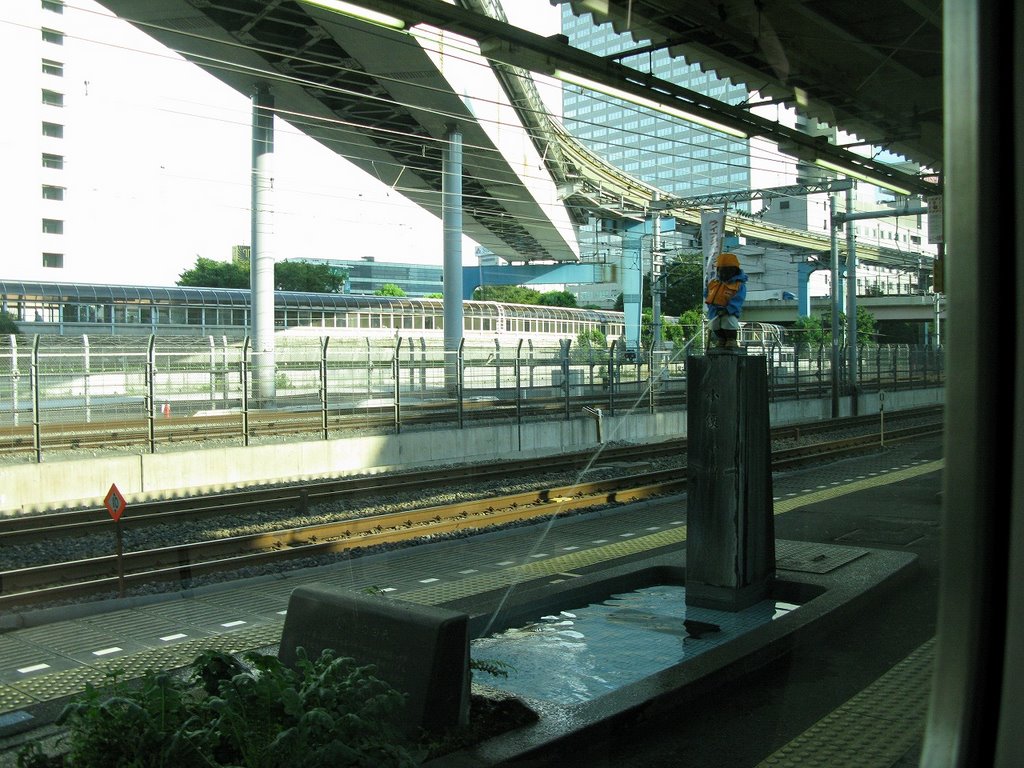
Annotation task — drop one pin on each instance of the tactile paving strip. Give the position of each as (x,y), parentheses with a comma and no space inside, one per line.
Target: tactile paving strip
(876,727)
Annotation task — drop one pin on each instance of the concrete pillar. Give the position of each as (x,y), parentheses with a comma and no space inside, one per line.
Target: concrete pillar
(451,216)
(851,304)
(730,537)
(632,286)
(657,287)
(261,258)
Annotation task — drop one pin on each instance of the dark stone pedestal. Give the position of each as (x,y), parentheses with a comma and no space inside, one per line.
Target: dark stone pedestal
(421,651)
(730,546)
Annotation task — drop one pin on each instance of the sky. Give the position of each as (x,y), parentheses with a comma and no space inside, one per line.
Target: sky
(165,163)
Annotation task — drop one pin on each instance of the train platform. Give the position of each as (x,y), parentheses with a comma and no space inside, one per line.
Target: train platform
(842,679)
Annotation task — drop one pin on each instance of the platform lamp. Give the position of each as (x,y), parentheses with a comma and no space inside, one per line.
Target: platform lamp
(641,101)
(867,176)
(358,12)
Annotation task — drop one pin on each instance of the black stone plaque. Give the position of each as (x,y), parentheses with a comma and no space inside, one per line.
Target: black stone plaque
(421,651)
(730,547)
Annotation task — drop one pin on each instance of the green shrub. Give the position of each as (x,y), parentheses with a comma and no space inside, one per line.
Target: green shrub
(255,713)
(8,324)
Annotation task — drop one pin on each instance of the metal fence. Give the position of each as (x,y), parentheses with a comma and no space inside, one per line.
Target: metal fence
(66,393)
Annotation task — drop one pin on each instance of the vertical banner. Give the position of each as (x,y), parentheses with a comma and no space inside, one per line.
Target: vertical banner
(712,233)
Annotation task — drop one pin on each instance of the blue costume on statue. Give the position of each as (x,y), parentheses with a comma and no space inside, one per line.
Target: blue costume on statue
(724,296)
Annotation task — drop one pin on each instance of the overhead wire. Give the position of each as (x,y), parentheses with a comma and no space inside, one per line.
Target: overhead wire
(471,149)
(449,47)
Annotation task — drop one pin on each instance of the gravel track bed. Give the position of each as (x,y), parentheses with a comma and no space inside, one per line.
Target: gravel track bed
(65,550)
(264,521)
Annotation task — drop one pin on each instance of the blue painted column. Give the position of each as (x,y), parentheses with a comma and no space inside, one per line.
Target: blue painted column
(261,258)
(632,282)
(803,288)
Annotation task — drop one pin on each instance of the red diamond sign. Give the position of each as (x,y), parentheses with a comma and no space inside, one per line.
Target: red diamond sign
(115,503)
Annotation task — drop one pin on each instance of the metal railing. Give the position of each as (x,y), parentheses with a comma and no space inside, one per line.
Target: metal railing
(59,393)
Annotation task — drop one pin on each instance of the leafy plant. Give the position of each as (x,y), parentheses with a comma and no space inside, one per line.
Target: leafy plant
(389,289)
(495,667)
(253,712)
(817,331)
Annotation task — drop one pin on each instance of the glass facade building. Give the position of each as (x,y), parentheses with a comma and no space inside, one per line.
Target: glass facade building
(678,157)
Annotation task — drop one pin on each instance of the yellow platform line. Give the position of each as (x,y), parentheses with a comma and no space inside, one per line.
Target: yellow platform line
(885,478)
(568,563)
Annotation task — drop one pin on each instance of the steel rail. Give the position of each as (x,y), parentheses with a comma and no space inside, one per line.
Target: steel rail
(185,562)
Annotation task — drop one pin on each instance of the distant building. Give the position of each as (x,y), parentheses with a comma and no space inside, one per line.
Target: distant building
(93,192)
(684,159)
(677,157)
(367,275)
(37,136)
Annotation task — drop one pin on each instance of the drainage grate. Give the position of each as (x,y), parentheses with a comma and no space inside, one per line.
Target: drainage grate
(813,558)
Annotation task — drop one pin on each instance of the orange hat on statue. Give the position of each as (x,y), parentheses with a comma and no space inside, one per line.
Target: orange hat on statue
(727,260)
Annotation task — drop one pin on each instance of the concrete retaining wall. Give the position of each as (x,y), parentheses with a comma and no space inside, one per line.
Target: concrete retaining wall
(32,487)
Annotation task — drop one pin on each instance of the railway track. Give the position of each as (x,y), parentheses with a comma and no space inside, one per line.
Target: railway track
(22,529)
(100,576)
(305,417)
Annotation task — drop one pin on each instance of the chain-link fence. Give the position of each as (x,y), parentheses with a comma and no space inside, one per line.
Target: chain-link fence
(62,393)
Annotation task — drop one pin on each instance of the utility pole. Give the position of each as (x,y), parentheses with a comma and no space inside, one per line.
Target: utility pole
(657,286)
(834,265)
(851,305)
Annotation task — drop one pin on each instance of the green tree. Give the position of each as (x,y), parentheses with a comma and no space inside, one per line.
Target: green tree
(307,277)
(867,333)
(506,294)
(389,289)
(589,345)
(684,284)
(818,330)
(592,338)
(811,330)
(7,323)
(288,276)
(687,328)
(208,273)
(647,327)
(558,299)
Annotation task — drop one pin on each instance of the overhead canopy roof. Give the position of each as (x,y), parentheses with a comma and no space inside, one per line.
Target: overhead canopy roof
(871,67)
(374,95)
